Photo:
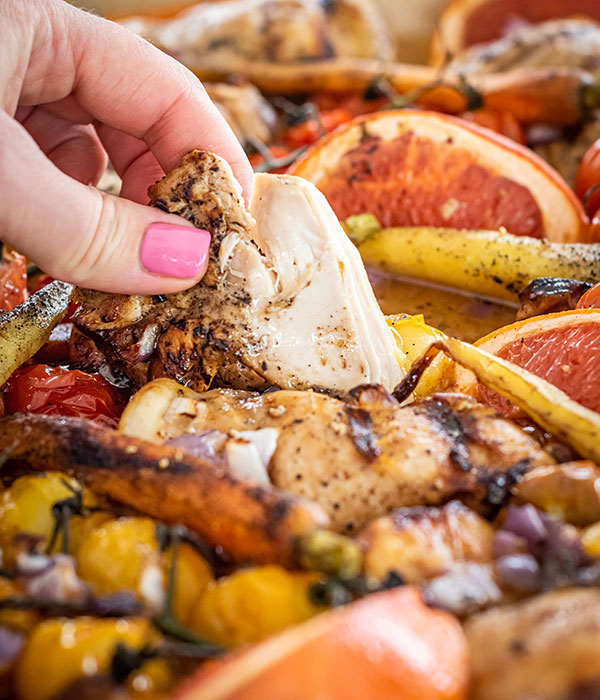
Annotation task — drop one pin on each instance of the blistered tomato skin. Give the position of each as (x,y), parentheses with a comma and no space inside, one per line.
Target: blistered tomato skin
(64,392)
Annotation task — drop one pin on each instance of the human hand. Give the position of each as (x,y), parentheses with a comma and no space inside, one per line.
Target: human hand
(74,89)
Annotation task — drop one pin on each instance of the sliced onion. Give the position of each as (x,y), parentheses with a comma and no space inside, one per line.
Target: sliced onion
(59,582)
(520,572)
(506,542)
(465,589)
(11,643)
(206,445)
(265,441)
(529,523)
(245,462)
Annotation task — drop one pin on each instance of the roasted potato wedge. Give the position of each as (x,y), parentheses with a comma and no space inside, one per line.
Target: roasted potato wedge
(27,327)
(491,263)
(249,522)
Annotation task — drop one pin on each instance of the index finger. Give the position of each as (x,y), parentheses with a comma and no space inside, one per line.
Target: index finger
(123,81)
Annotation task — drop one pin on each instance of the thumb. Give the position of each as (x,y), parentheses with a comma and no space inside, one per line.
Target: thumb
(81,235)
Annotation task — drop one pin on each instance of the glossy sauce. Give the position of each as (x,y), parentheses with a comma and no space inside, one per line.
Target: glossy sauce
(455,312)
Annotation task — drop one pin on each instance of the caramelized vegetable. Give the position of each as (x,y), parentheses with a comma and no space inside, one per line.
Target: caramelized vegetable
(488,263)
(27,327)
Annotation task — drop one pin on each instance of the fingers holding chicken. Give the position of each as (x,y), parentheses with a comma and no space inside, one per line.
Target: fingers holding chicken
(285,299)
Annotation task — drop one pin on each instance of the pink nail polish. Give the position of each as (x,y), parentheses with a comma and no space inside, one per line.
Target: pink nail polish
(175,251)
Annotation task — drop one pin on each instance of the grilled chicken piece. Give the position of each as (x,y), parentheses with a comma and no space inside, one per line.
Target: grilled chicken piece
(422,542)
(570,43)
(547,648)
(224,37)
(285,299)
(247,112)
(356,461)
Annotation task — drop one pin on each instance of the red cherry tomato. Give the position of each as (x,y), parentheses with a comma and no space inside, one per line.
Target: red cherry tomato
(13,280)
(354,103)
(591,299)
(501,121)
(588,175)
(309,132)
(63,392)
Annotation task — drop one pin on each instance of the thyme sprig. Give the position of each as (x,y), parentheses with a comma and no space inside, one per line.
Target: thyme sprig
(270,162)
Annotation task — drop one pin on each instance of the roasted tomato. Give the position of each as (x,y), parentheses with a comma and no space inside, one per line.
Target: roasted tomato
(588,176)
(310,131)
(63,392)
(13,280)
(502,122)
(354,103)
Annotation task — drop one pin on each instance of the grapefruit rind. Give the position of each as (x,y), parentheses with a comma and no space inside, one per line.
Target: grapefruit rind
(562,213)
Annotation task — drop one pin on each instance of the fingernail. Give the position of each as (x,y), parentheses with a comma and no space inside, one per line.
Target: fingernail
(175,251)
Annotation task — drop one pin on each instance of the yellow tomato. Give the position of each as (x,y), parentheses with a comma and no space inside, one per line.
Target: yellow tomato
(154,678)
(60,651)
(123,555)
(22,620)
(590,539)
(252,604)
(27,507)
(192,576)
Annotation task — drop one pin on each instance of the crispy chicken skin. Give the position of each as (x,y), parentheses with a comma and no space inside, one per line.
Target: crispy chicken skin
(571,43)
(285,299)
(422,542)
(226,36)
(356,460)
(547,648)
(247,112)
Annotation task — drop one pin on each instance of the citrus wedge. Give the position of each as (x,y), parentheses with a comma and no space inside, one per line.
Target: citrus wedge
(467,22)
(562,348)
(417,168)
(388,646)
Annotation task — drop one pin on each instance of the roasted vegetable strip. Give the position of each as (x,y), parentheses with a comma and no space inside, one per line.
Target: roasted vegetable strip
(27,327)
(488,263)
(249,522)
